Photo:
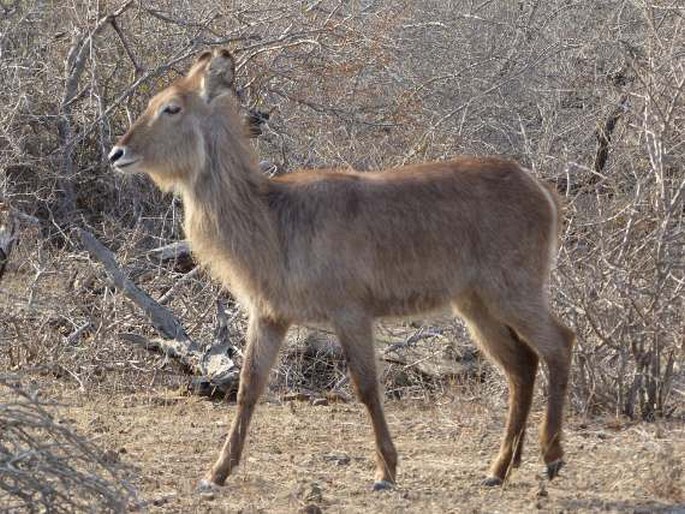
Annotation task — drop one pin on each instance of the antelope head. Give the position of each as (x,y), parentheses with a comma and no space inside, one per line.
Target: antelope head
(167,141)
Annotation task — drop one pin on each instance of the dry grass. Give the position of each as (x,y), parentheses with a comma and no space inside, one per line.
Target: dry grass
(300,455)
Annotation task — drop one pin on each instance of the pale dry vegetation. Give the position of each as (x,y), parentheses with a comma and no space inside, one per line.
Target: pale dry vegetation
(589,95)
(46,467)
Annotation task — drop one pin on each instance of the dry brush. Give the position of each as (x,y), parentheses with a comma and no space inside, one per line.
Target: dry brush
(589,95)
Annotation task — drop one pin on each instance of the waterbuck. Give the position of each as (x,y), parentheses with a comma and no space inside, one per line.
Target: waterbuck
(477,235)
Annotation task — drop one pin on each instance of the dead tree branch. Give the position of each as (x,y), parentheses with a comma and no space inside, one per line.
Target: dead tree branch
(163,321)
(212,362)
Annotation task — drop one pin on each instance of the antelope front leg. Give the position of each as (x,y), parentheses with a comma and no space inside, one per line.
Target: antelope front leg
(264,338)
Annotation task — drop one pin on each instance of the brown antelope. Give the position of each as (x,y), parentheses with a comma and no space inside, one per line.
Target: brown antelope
(477,235)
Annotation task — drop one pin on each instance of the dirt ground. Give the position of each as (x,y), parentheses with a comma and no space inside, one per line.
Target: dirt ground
(301,456)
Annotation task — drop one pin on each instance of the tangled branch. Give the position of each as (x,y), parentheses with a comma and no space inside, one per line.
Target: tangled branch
(46,467)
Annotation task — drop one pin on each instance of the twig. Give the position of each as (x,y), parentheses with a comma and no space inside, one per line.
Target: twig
(76,334)
(138,68)
(164,299)
(603,135)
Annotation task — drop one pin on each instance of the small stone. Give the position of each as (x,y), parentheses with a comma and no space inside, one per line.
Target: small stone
(339,459)
(312,508)
(163,499)
(314,494)
(299,397)
(111,456)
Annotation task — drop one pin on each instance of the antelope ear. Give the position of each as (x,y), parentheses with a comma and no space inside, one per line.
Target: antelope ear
(218,74)
(200,63)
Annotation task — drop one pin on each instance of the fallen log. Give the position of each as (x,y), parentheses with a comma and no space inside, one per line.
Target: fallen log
(213,365)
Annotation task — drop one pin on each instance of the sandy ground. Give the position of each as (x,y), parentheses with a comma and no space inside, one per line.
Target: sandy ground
(301,456)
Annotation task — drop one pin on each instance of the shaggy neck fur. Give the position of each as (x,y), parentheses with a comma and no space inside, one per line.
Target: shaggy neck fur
(227,220)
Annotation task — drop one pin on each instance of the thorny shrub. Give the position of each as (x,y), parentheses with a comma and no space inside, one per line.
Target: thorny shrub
(45,466)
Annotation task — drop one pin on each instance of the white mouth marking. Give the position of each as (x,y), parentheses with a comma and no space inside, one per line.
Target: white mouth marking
(121,165)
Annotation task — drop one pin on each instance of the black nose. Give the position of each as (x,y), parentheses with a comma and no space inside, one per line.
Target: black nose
(114,156)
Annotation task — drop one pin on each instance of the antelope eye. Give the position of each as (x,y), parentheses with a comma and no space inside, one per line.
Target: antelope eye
(172,109)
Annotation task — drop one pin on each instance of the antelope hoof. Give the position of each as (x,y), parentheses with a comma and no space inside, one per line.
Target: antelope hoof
(207,487)
(491,482)
(382,485)
(553,468)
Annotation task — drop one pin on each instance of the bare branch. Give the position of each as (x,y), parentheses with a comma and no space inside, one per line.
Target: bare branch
(163,321)
(212,361)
